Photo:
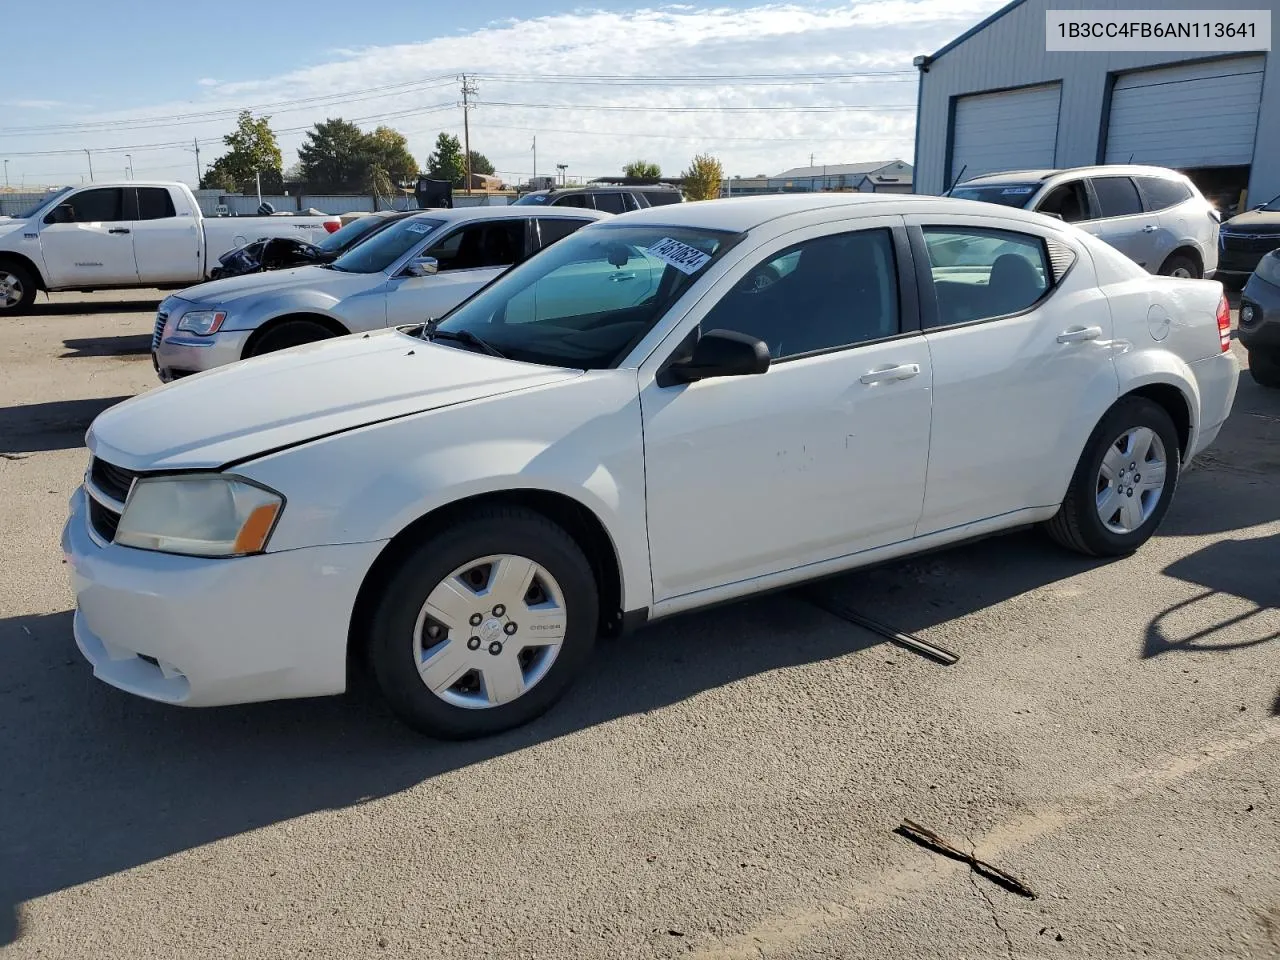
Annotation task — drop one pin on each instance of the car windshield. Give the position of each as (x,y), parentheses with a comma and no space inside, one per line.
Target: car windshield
(587,300)
(531,198)
(350,234)
(31,212)
(386,246)
(1007,194)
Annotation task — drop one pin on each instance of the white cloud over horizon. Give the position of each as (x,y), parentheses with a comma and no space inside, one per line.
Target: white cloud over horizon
(767,39)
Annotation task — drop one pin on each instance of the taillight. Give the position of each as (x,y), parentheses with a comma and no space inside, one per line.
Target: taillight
(1224,323)
(332,226)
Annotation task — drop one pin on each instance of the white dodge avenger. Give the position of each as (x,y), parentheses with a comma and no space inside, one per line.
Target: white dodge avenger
(664,410)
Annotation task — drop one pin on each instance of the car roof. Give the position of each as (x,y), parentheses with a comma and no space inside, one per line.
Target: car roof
(741,214)
(1110,169)
(457,214)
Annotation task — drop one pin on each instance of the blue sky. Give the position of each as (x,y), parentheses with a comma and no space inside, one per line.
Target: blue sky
(162,73)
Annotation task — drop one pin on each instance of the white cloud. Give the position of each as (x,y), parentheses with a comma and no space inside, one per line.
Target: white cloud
(33,104)
(207,82)
(690,39)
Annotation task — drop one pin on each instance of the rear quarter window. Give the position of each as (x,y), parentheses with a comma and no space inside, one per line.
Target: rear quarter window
(1160,194)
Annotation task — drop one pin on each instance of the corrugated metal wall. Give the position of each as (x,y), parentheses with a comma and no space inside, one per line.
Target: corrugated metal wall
(1010,52)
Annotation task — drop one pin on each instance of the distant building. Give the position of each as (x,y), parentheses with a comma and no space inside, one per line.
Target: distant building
(876,176)
(994,100)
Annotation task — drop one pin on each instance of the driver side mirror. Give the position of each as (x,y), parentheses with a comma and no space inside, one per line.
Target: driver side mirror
(421,267)
(718,353)
(62,213)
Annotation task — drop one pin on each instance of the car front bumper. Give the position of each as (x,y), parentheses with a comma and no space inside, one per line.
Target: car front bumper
(182,354)
(208,632)
(1260,302)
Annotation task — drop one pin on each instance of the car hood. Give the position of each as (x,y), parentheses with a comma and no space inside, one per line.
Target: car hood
(230,289)
(278,400)
(1258,221)
(8,226)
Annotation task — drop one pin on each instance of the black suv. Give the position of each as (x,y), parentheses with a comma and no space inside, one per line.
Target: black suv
(607,198)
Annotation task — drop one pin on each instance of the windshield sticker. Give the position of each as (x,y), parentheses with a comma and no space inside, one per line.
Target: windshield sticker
(418,228)
(1017,191)
(686,259)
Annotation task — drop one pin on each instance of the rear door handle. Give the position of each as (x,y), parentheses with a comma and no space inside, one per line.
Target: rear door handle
(1080,334)
(118,230)
(903,371)
(1150,228)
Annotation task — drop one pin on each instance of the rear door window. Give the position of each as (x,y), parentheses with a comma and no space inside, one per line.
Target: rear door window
(552,229)
(1117,197)
(155,203)
(610,203)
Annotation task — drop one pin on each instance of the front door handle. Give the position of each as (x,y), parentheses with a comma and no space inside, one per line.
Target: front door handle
(903,371)
(619,277)
(118,230)
(1080,334)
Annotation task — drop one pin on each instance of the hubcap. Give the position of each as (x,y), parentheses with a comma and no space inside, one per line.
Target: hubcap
(1131,480)
(10,289)
(489,631)
(1181,272)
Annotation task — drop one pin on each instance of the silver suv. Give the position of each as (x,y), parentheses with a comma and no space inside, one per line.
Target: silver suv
(1153,215)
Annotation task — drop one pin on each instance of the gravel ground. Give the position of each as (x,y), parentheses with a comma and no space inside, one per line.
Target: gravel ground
(723,785)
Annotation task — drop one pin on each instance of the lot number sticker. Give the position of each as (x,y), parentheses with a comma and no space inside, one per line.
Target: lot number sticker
(1017,191)
(418,228)
(686,259)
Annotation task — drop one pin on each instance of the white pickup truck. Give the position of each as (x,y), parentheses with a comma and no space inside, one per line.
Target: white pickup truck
(135,233)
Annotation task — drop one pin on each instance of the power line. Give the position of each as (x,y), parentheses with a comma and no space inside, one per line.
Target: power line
(676,136)
(841,108)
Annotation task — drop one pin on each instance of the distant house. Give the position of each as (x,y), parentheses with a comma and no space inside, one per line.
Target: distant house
(876,176)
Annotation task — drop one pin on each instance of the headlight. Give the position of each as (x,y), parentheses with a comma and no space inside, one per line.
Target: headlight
(200,515)
(1268,268)
(202,322)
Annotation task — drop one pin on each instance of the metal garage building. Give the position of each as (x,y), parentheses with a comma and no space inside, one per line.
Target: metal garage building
(994,99)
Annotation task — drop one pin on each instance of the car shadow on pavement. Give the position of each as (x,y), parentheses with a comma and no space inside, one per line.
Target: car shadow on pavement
(122,346)
(72,308)
(99,781)
(56,425)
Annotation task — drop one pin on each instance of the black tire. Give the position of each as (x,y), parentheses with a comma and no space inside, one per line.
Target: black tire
(1077,525)
(1181,261)
(481,533)
(1264,367)
(20,277)
(291,333)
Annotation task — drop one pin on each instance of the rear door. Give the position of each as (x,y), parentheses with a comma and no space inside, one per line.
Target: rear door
(1018,334)
(87,240)
(166,243)
(1123,223)
(467,257)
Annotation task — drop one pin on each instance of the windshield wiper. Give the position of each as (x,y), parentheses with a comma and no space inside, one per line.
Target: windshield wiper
(429,332)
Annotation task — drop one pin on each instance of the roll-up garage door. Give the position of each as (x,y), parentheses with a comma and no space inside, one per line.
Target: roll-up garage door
(1013,130)
(1196,115)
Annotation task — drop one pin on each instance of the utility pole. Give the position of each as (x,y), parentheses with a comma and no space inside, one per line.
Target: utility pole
(468,91)
(90,156)
(128,159)
(533,181)
(6,174)
(199,173)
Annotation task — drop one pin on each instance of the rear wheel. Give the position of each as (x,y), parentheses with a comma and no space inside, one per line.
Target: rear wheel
(1183,266)
(484,625)
(17,289)
(1123,483)
(1264,367)
(291,333)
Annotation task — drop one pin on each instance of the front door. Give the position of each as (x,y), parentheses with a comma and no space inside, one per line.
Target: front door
(821,456)
(87,240)
(1022,369)
(467,258)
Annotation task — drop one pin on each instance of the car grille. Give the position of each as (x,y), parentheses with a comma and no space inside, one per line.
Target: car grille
(112,480)
(103,519)
(161,319)
(1250,242)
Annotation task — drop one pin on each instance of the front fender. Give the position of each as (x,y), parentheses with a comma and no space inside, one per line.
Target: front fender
(261,310)
(580,439)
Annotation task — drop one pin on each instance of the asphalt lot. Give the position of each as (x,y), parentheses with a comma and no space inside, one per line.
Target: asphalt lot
(725,785)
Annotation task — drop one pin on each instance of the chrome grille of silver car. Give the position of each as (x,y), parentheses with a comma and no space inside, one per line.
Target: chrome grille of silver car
(161,319)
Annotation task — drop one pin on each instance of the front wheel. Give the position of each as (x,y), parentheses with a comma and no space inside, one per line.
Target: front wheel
(1123,483)
(484,625)
(17,289)
(291,333)
(1264,367)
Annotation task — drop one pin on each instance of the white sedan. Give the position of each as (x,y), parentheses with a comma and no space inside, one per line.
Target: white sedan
(665,410)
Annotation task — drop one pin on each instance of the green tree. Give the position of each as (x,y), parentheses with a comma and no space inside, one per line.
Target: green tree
(642,168)
(388,149)
(253,150)
(446,163)
(334,156)
(702,179)
(480,164)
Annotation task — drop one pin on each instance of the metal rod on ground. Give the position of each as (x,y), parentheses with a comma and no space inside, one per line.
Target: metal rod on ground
(904,640)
